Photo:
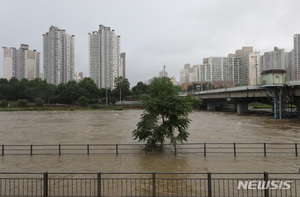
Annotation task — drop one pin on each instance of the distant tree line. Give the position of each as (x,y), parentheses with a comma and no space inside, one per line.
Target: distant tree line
(84,92)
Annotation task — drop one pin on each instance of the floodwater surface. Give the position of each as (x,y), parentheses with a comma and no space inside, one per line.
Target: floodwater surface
(115,127)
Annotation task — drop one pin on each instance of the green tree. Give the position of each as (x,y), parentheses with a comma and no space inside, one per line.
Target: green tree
(4,103)
(83,101)
(123,85)
(165,115)
(3,88)
(88,88)
(67,93)
(39,102)
(14,89)
(139,89)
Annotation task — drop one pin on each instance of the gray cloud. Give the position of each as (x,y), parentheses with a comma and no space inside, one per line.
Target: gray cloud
(156,32)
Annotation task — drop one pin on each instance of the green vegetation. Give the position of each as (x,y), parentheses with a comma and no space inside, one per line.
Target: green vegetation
(37,90)
(140,89)
(257,105)
(118,108)
(83,101)
(4,103)
(23,102)
(165,115)
(39,95)
(39,102)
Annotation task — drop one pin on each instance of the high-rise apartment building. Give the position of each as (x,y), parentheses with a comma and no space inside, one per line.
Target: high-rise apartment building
(273,59)
(289,65)
(296,57)
(59,61)
(187,75)
(105,61)
(21,63)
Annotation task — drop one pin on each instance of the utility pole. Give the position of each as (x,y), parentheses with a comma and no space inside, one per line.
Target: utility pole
(120,95)
(106,96)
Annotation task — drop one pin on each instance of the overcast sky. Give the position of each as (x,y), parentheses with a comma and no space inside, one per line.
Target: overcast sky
(154,33)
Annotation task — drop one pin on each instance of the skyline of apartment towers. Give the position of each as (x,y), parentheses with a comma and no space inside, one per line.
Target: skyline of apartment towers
(240,68)
(244,67)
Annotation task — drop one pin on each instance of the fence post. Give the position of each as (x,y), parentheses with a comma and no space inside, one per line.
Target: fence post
(265,149)
(153,184)
(117,149)
(266,178)
(59,149)
(209,190)
(88,149)
(296,149)
(204,149)
(175,149)
(146,149)
(30,149)
(2,149)
(234,149)
(46,184)
(98,184)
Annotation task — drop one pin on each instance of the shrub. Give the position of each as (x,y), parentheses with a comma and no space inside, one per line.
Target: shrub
(22,102)
(118,108)
(4,103)
(96,106)
(39,102)
(83,101)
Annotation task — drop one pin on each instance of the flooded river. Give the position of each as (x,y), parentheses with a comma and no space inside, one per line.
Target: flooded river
(115,127)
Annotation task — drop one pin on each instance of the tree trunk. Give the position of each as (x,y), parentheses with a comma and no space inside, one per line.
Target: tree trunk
(162,140)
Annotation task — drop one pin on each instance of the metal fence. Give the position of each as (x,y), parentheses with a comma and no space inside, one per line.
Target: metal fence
(150,184)
(202,148)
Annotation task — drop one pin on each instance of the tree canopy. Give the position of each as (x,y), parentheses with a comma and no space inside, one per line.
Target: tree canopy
(165,115)
(123,85)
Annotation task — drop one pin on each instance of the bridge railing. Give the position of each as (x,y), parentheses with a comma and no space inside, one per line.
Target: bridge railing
(149,184)
(201,148)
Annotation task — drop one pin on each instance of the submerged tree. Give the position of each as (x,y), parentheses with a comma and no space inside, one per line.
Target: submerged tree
(165,115)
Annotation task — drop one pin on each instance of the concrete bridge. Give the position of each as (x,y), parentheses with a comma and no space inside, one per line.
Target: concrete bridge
(285,98)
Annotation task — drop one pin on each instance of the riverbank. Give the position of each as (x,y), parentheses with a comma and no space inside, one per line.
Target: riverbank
(70,108)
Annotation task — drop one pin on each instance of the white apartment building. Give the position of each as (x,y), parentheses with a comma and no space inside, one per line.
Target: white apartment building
(21,63)
(105,61)
(187,75)
(273,59)
(59,61)
(289,65)
(296,57)
(242,68)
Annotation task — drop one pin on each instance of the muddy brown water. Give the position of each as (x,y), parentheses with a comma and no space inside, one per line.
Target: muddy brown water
(115,127)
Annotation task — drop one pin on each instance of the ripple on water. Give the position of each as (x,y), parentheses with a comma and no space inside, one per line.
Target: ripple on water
(101,127)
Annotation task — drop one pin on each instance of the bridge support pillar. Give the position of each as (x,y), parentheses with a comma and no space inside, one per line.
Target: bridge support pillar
(242,108)
(211,106)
